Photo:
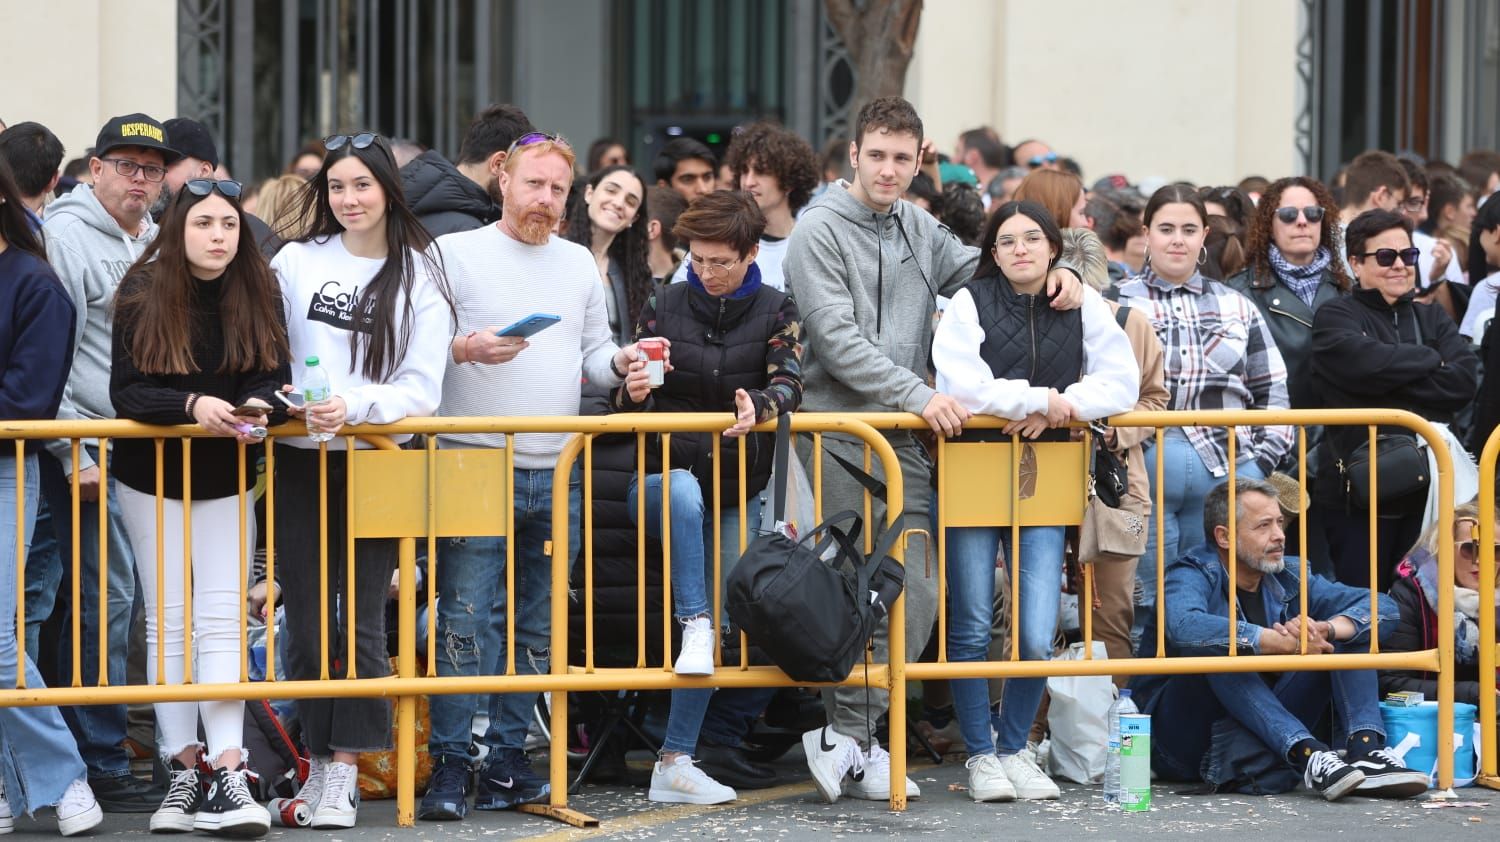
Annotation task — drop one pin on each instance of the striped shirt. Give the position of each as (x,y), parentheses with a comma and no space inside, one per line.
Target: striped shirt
(1219,355)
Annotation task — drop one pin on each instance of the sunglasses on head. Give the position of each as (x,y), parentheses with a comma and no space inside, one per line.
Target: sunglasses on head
(358,141)
(1312,213)
(205,186)
(1386,258)
(1038,160)
(536,137)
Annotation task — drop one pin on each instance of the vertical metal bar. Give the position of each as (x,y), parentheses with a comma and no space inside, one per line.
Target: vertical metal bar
(1234,547)
(510,558)
(406,669)
(336,66)
(432,551)
(588,541)
(1375,545)
(20,457)
(240,123)
(291,137)
(375,69)
(398,79)
(161,566)
(1373,25)
(1331,87)
(1403,68)
(413,69)
(270,560)
(1490,745)
(1302,498)
(483,60)
(444,139)
(561,552)
(1159,598)
(323,561)
(439,78)
(361,62)
(942,550)
(717,453)
(77,506)
(1015,547)
(640,560)
(1086,599)
(320,62)
(351,666)
(103,603)
(244,556)
(1434,80)
(669,604)
(187,564)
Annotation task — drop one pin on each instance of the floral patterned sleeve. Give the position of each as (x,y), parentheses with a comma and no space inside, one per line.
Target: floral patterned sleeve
(783,390)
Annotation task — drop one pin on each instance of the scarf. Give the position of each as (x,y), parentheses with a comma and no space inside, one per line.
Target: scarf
(749,287)
(1302,280)
(1465,608)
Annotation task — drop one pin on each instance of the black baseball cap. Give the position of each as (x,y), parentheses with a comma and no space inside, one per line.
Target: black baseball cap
(191,138)
(134,130)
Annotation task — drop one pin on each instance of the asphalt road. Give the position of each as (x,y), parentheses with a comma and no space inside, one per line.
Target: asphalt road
(794,811)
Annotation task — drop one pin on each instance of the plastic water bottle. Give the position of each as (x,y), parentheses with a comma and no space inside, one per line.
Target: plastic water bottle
(316,390)
(1123,705)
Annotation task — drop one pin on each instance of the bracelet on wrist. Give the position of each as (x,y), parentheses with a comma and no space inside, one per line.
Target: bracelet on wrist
(192,401)
(614,368)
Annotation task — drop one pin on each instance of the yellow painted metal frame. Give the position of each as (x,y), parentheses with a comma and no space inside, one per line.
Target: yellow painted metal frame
(1489,756)
(394,495)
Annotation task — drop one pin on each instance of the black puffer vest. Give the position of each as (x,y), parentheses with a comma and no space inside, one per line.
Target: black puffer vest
(718,345)
(1025,339)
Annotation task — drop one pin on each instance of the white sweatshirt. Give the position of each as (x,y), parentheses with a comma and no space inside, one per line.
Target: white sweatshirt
(1111,378)
(498,280)
(319,284)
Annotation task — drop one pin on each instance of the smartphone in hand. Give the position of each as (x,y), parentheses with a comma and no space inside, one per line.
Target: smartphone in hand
(530,326)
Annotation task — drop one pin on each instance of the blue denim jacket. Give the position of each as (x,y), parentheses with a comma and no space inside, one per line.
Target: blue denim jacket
(1197,602)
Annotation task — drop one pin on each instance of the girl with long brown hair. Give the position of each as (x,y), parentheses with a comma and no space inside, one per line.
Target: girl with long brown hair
(198,333)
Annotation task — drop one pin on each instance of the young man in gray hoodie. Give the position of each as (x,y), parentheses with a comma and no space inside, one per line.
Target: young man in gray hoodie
(93,235)
(867,268)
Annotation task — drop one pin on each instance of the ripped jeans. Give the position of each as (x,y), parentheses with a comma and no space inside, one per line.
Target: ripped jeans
(470,584)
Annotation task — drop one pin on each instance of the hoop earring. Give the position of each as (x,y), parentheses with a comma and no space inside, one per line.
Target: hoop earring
(1204,258)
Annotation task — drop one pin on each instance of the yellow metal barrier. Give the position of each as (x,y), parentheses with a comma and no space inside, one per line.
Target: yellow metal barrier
(408,494)
(1489,753)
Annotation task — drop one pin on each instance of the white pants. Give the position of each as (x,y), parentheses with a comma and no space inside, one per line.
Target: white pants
(218,602)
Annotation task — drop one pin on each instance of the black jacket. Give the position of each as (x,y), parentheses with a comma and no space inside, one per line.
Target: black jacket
(444,199)
(719,344)
(1417,631)
(1487,406)
(1290,321)
(1367,353)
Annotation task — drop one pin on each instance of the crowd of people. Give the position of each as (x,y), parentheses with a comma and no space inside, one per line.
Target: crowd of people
(878,276)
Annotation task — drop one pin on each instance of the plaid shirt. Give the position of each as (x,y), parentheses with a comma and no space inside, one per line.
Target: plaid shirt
(1219,355)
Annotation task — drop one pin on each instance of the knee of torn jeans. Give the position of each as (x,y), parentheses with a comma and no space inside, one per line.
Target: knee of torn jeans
(457,646)
(540,659)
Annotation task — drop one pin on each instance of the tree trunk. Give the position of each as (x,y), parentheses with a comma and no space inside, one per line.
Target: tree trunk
(880,36)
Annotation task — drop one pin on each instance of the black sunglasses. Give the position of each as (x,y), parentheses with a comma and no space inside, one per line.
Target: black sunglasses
(1313,214)
(536,137)
(358,141)
(205,186)
(1038,160)
(1387,257)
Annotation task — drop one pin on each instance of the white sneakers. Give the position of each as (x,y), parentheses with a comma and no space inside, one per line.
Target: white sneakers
(311,792)
(7,821)
(697,656)
(873,782)
(831,757)
(682,782)
(339,805)
(1030,782)
(78,812)
(987,779)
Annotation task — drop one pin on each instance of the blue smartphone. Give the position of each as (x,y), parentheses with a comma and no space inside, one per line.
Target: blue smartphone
(531,325)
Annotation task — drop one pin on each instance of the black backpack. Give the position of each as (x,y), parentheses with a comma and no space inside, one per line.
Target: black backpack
(812,618)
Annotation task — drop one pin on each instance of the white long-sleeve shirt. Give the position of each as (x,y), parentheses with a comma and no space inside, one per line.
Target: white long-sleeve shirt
(320,283)
(498,280)
(1110,383)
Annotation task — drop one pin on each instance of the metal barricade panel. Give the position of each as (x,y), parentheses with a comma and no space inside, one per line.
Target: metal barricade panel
(390,493)
(977,485)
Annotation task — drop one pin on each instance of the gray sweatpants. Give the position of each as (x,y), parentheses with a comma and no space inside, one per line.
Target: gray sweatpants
(848,711)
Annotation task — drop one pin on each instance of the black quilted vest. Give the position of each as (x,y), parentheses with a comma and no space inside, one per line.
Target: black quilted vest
(1025,339)
(718,346)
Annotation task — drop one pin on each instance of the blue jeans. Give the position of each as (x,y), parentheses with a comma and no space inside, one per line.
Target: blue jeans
(470,586)
(38,756)
(692,546)
(1192,742)
(972,553)
(1188,482)
(99,729)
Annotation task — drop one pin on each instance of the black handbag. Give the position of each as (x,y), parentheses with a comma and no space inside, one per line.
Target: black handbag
(813,618)
(1110,474)
(1402,474)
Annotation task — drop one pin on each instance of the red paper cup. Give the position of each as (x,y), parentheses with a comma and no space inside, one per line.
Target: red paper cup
(654,352)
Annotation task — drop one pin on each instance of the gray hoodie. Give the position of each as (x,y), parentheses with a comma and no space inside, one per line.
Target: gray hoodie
(90,253)
(866,284)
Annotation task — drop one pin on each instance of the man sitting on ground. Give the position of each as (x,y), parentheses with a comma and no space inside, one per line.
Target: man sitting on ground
(1247,731)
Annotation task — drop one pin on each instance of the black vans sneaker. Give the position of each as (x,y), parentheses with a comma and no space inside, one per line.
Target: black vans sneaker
(1387,777)
(1328,774)
(229,809)
(184,800)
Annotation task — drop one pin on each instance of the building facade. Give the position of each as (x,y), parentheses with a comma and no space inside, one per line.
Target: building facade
(1207,92)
